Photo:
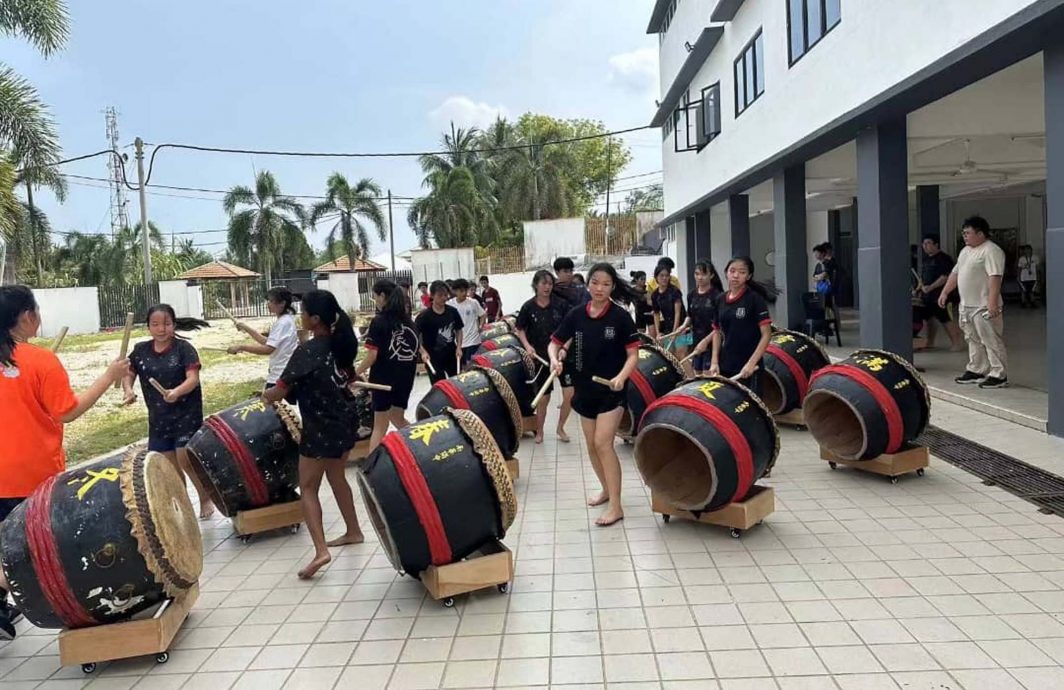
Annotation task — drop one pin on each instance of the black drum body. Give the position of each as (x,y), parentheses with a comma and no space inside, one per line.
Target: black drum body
(704,445)
(437,491)
(789,363)
(247,455)
(519,370)
(869,404)
(656,374)
(485,393)
(496,329)
(498,342)
(99,543)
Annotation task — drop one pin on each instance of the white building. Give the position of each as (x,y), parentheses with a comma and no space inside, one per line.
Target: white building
(867,123)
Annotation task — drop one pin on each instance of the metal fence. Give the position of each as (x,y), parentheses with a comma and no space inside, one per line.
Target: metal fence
(117,300)
(243,298)
(496,260)
(366,279)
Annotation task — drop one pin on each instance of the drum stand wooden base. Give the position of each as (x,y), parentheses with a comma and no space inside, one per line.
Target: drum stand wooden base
(257,520)
(139,637)
(492,566)
(793,419)
(514,468)
(760,503)
(893,465)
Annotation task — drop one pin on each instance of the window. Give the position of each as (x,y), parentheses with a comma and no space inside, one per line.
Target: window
(708,115)
(666,22)
(750,74)
(808,21)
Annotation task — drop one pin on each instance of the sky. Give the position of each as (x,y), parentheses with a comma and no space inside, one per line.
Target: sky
(325,75)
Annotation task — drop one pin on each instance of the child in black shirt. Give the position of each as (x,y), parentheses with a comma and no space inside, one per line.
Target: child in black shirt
(599,340)
(644,315)
(666,301)
(440,326)
(174,364)
(536,322)
(317,375)
(391,359)
(702,311)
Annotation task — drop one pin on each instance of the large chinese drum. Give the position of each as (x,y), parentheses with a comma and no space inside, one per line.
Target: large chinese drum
(495,329)
(484,392)
(790,361)
(656,374)
(519,370)
(498,342)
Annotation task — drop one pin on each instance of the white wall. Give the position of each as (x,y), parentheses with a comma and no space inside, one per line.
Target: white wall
(720,249)
(344,287)
(442,264)
(187,300)
(762,241)
(77,308)
(514,289)
(546,240)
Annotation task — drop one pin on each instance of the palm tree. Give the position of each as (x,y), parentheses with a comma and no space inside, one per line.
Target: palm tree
(257,234)
(357,206)
(534,181)
(453,214)
(461,152)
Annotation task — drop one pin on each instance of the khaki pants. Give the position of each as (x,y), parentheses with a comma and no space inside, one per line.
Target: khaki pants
(986,346)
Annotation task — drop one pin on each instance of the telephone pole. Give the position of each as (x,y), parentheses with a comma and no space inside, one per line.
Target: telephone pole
(609,185)
(391,229)
(145,235)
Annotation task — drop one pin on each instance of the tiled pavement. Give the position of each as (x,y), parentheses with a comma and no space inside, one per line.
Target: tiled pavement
(936,582)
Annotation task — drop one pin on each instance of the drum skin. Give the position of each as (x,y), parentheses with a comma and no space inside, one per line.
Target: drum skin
(494,330)
(790,361)
(484,392)
(657,373)
(519,370)
(506,340)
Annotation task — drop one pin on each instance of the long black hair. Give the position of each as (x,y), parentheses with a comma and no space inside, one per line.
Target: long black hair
(768,293)
(283,295)
(622,290)
(394,312)
(342,342)
(706,266)
(15,300)
(185,323)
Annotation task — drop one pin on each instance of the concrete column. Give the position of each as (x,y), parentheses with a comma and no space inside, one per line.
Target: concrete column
(702,235)
(927,212)
(883,238)
(739,216)
(690,255)
(1053,261)
(792,263)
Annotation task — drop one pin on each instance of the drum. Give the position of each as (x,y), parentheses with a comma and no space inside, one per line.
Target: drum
(247,455)
(519,370)
(656,374)
(704,445)
(437,491)
(102,541)
(494,330)
(790,361)
(499,342)
(484,392)
(872,403)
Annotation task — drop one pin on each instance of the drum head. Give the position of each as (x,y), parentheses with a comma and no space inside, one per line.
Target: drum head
(164,521)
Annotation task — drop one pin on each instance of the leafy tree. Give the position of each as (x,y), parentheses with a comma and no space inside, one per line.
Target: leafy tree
(259,222)
(356,207)
(651,198)
(454,213)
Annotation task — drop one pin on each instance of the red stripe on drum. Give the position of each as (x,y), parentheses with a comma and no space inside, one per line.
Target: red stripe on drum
(482,361)
(882,396)
(796,369)
(245,462)
(454,394)
(645,390)
(417,489)
(490,345)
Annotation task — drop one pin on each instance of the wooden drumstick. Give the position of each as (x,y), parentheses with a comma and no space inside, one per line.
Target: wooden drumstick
(543,389)
(602,381)
(428,365)
(124,350)
(59,338)
(371,386)
(541,360)
(227,312)
(158,386)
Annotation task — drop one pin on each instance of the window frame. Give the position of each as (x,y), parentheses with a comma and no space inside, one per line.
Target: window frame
(704,135)
(825,29)
(742,105)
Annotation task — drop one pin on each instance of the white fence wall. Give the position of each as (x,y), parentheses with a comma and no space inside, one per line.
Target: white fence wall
(442,264)
(76,308)
(344,287)
(546,240)
(187,300)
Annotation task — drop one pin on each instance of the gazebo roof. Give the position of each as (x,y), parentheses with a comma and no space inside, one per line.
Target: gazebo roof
(343,264)
(217,270)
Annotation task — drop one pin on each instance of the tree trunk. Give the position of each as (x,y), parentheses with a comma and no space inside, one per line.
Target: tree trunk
(33,234)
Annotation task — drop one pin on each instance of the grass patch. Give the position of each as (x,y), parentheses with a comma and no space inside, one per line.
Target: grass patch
(89,341)
(88,437)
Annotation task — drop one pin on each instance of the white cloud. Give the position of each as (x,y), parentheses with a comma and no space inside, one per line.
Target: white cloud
(636,71)
(465,112)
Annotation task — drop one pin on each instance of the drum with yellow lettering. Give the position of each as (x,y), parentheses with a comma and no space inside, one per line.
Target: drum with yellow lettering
(873,402)
(437,490)
(790,361)
(495,329)
(488,395)
(704,445)
(101,542)
(519,370)
(247,455)
(656,374)
(499,342)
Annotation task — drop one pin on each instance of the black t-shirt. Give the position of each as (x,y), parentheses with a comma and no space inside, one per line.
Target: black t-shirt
(169,368)
(438,330)
(327,406)
(740,321)
(933,268)
(644,316)
(664,303)
(571,294)
(396,346)
(703,311)
(539,323)
(600,344)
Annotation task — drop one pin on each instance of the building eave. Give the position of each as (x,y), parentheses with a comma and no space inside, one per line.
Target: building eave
(658,16)
(705,44)
(725,10)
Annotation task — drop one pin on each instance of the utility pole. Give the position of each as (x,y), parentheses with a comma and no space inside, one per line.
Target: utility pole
(391,229)
(145,235)
(609,184)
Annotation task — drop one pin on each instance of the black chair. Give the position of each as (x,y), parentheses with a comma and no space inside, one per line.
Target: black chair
(818,321)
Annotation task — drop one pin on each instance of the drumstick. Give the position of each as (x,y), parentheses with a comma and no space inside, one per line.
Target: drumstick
(541,360)
(543,389)
(227,312)
(124,350)
(158,386)
(604,382)
(689,357)
(371,386)
(59,338)
(428,365)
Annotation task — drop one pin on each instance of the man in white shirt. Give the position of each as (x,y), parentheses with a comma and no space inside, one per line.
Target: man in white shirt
(1027,267)
(472,314)
(977,277)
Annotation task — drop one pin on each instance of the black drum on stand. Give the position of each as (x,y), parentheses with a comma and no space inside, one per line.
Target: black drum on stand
(656,374)
(499,342)
(519,370)
(790,361)
(484,392)
(496,329)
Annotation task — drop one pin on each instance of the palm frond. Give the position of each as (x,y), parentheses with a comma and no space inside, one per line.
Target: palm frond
(237,196)
(26,127)
(44,23)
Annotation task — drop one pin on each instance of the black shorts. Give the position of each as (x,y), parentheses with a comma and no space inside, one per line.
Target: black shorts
(933,311)
(566,379)
(7,505)
(592,399)
(445,364)
(398,396)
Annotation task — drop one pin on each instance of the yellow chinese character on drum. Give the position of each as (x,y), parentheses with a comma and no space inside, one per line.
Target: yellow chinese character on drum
(645,354)
(708,387)
(87,482)
(874,363)
(784,338)
(424,432)
(255,406)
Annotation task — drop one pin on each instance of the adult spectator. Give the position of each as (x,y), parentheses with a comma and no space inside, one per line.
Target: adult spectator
(1027,268)
(565,288)
(652,284)
(977,276)
(492,300)
(826,273)
(423,292)
(934,272)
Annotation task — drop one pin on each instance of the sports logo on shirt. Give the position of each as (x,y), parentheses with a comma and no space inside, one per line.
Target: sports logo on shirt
(610,333)
(740,313)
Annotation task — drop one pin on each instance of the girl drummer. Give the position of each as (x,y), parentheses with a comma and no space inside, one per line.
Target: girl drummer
(391,359)
(538,319)
(702,310)
(317,375)
(282,340)
(35,402)
(440,326)
(175,412)
(644,315)
(666,301)
(600,341)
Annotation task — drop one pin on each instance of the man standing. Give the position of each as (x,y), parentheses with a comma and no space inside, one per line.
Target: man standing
(934,273)
(977,276)
(492,300)
(472,318)
(826,274)
(1027,267)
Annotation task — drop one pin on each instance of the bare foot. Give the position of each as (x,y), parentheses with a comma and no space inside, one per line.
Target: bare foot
(957,348)
(610,517)
(313,567)
(598,500)
(539,437)
(562,436)
(206,510)
(356,538)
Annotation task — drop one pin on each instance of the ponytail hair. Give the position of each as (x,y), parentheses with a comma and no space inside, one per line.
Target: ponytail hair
(706,266)
(767,292)
(185,323)
(342,341)
(394,312)
(15,300)
(622,291)
(283,295)
(638,275)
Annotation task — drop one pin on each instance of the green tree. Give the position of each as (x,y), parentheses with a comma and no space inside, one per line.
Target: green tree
(357,206)
(259,222)
(651,198)
(453,213)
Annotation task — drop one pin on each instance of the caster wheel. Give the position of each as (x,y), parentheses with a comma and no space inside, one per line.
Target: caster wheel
(735,533)
(88,668)
(294,529)
(245,538)
(893,480)
(833,465)
(767,474)
(666,518)
(448,603)
(504,588)
(920,472)
(162,657)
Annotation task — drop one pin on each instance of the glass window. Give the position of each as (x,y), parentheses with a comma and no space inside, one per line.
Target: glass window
(796,22)
(759,64)
(750,73)
(749,81)
(809,21)
(832,13)
(814,17)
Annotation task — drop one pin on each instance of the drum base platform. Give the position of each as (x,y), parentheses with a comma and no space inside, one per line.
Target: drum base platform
(257,520)
(893,465)
(760,503)
(127,639)
(792,419)
(492,566)
(514,468)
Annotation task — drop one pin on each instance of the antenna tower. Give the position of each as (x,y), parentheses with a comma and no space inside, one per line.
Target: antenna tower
(119,216)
